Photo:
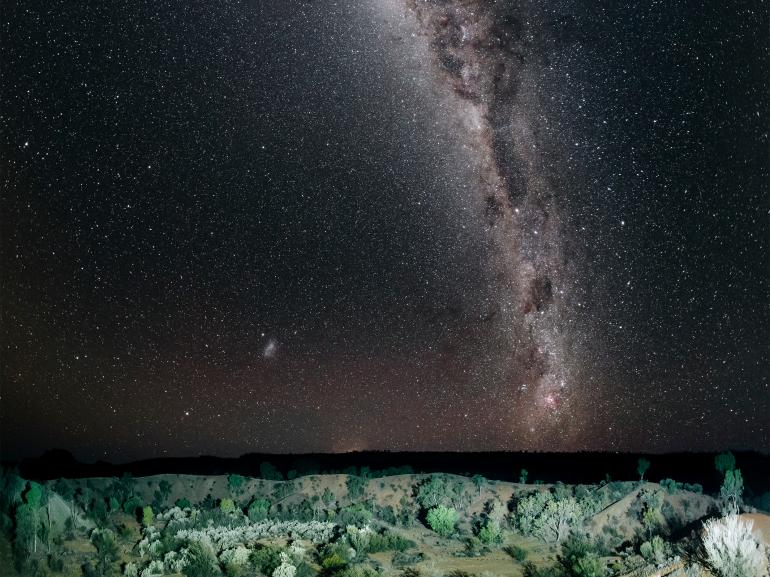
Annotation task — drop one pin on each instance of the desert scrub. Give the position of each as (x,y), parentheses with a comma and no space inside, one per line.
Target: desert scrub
(731,548)
(226,538)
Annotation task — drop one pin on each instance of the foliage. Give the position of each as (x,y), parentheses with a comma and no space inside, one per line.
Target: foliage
(333,561)
(557,519)
(442,520)
(523,474)
(357,514)
(724,462)
(356,486)
(433,492)
(359,538)
(183,503)
(671,486)
(731,548)
(268,472)
(26,528)
(199,562)
(132,504)
(227,506)
(266,559)
(642,466)
(235,483)
(490,533)
(579,557)
(731,493)
(478,482)
(651,517)
(518,553)
(588,566)
(147,515)
(286,568)
(656,550)
(106,549)
(222,538)
(258,509)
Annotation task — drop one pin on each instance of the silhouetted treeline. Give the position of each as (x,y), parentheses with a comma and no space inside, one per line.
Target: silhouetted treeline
(571,468)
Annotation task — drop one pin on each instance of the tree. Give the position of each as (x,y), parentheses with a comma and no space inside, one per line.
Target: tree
(235,483)
(731,548)
(641,467)
(33,497)
(478,482)
(724,462)
(268,472)
(258,510)
(523,476)
(26,527)
(11,487)
(490,533)
(557,519)
(442,520)
(432,493)
(356,487)
(731,493)
(106,549)
(164,488)
(147,515)
(66,492)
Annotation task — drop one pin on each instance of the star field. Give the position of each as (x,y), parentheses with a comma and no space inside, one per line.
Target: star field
(306,226)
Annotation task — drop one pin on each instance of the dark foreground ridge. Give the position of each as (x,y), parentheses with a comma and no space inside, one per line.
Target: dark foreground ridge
(571,468)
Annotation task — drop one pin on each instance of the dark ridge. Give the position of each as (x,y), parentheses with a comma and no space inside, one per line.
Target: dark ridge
(571,468)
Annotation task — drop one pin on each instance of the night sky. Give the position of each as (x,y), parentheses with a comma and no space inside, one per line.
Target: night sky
(294,226)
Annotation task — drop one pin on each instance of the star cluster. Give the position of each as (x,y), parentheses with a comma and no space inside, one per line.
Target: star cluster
(464,225)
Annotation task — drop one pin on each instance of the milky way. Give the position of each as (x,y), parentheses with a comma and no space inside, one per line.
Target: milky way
(490,56)
(394,224)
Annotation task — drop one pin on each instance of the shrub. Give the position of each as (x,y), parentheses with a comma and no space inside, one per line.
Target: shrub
(518,553)
(183,503)
(588,566)
(442,520)
(199,562)
(265,559)
(55,562)
(235,483)
(405,558)
(286,568)
(655,551)
(671,486)
(389,542)
(356,486)
(227,506)
(731,549)
(333,561)
(258,510)
(356,514)
(490,533)
(359,539)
